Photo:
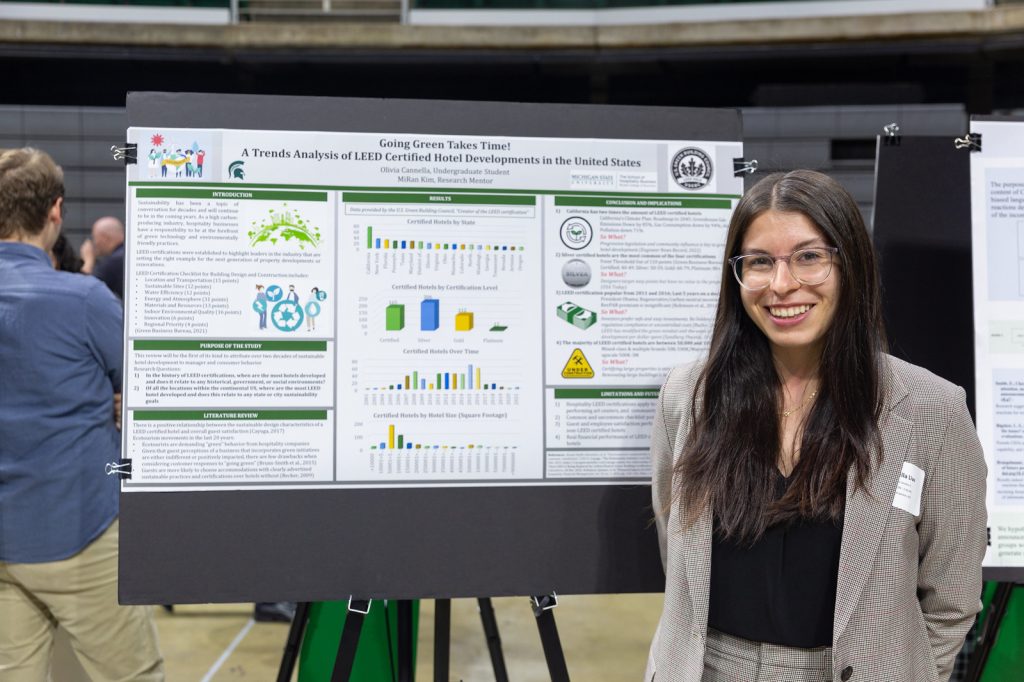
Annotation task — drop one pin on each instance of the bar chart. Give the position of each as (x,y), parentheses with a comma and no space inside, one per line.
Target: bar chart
(378,243)
(464,456)
(439,384)
(470,313)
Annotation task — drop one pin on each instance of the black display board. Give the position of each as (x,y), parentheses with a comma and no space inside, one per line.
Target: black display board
(310,545)
(922,232)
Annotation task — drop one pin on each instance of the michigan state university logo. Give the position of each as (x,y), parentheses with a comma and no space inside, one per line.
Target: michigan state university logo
(691,168)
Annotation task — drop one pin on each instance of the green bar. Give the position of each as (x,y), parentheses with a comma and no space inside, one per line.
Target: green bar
(230,415)
(394,317)
(439,198)
(641,202)
(401,441)
(605,393)
(369,237)
(415,380)
(182,193)
(459,190)
(212,345)
(437,384)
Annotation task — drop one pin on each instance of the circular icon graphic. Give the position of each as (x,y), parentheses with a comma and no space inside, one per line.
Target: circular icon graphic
(321,295)
(576,273)
(691,167)
(576,233)
(287,316)
(274,293)
(312,308)
(259,306)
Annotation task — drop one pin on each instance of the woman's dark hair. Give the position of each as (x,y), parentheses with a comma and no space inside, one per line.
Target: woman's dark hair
(732,450)
(64,255)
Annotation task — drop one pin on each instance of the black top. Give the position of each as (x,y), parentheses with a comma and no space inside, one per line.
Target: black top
(111,271)
(780,590)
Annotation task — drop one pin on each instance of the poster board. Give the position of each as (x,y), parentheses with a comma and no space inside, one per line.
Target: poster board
(914,238)
(192,532)
(997,218)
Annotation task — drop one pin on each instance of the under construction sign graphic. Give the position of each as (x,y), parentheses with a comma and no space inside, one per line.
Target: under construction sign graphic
(578,367)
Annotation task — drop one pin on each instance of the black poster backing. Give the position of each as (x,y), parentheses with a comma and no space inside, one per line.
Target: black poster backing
(310,545)
(922,232)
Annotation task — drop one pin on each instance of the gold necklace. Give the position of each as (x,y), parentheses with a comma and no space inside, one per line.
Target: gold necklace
(786,413)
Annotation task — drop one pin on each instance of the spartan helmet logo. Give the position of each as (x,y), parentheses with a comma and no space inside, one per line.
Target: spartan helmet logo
(236,170)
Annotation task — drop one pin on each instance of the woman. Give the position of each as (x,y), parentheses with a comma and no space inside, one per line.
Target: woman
(820,504)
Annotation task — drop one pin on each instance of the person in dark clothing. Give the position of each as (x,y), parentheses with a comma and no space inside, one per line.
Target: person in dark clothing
(108,243)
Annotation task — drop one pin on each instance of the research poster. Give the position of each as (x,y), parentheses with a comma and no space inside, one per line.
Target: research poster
(330,310)
(997,208)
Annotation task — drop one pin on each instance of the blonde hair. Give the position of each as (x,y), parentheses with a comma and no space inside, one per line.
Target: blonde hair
(30,183)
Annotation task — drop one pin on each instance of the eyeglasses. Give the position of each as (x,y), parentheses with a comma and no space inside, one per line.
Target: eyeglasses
(755,271)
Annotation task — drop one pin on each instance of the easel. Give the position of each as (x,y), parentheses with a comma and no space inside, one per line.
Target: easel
(988,630)
(357,610)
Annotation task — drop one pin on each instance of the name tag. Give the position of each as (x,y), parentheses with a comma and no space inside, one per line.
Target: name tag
(908,490)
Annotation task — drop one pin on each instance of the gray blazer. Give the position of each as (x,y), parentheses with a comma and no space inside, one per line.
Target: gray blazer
(909,586)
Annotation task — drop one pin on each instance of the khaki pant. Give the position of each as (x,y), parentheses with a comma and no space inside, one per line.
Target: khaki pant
(113,643)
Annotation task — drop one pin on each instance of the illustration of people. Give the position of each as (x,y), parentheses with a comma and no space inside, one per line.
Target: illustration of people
(178,162)
(154,157)
(163,163)
(200,157)
(292,296)
(189,171)
(261,304)
(312,308)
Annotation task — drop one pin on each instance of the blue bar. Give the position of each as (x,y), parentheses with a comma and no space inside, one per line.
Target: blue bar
(423,384)
(446,379)
(398,387)
(403,243)
(430,314)
(430,245)
(383,445)
(494,386)
(378,242)
(504,248)
(408,446)
(455,247)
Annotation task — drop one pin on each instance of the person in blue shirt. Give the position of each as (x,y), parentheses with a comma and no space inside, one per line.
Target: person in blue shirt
(61,353)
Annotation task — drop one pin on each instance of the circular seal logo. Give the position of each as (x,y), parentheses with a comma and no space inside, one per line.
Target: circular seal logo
(691,168)
(576,233)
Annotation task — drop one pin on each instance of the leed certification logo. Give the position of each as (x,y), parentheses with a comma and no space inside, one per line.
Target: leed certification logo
(691,167)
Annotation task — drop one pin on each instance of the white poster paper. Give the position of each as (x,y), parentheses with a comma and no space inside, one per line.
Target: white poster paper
(997,215)
(364,310)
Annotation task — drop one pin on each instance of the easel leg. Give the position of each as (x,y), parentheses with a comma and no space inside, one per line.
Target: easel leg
(442,638)
(542,609)
(493,639)
(405,668)
(291,647)
(987,631)
(357,610)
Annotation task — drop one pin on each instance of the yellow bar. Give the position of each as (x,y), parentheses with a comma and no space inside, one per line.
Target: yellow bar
(391,436)
(463,321)
(386,243)
(431,386)
(477,386)
(462,247)
(407,383)
(455,381)
(417,446)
